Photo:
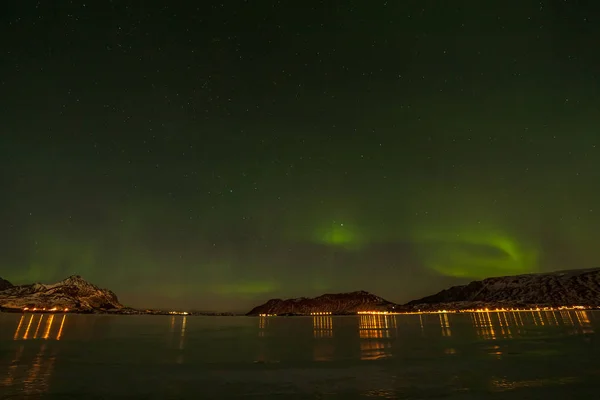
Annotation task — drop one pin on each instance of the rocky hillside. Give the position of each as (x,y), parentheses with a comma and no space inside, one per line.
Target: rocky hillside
(73,293)
(341,303)
(574,287)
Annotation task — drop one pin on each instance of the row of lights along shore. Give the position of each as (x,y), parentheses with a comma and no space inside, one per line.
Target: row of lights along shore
(479,310)
(43,309)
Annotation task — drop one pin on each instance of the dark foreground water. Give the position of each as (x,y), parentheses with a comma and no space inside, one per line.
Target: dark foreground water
(529,355)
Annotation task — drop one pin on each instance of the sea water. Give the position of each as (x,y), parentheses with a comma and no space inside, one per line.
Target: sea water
(524,355)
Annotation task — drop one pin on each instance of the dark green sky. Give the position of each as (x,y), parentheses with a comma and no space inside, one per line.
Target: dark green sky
(213,155)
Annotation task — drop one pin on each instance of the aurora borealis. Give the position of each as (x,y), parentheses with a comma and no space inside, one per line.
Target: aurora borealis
(212,155)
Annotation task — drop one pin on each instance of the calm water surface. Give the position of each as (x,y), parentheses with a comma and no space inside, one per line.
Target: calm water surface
(528,355)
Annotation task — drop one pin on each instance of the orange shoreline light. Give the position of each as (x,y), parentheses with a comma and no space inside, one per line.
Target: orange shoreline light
(481,310)
(179,313)
(53,309)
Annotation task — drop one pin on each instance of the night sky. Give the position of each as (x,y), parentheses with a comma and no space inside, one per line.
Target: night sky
(212,155)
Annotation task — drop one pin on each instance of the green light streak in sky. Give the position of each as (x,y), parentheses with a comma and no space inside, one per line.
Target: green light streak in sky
(476,254)
(339,234)
(57,254)
(243,288)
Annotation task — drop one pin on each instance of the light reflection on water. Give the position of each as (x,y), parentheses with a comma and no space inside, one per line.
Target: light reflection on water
(322,326)
(375,332)
(34,375)
(322,330)
(503,352)
(39,374)
(39,323)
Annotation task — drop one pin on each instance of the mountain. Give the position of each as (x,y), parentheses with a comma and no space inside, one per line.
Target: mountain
(340,303)
(562,288)
(4,284)
(73,293)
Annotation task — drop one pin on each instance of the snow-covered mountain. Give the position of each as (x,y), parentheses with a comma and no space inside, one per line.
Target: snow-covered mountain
(340,303)
(73,293)
(562,288)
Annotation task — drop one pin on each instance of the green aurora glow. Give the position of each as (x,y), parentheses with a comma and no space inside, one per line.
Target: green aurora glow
(477,256)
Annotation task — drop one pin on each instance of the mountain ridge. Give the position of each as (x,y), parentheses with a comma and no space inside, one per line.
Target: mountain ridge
(560,288)
(72,293)
(334,303)
(4,284)
(548,289)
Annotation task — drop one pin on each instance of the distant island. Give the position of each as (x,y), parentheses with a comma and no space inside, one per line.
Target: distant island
(339,304)
(555,290)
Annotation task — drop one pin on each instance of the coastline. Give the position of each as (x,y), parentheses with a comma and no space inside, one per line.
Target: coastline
(118,312)
(130,311)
